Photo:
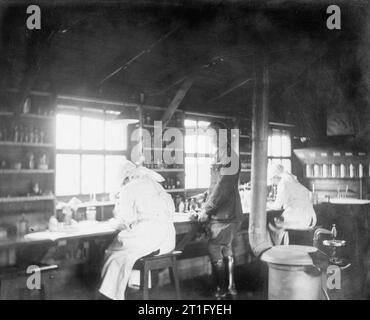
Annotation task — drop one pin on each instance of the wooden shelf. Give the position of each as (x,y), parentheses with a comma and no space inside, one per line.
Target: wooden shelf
(168,170)
(245,170)
(244,136)
(245,153)
(26,144)
(28,115)
(26,171)
(162,149)
(6,113)
(151,126)
(26,199)
(175,190)
(336,178)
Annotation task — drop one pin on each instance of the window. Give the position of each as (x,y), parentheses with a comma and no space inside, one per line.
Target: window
(198,154)
(90,147)
(279,148)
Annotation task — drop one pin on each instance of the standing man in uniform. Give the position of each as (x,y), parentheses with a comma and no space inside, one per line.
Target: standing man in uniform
(222,210)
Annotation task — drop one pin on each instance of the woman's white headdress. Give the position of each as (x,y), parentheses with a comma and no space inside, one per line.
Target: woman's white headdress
(130,170)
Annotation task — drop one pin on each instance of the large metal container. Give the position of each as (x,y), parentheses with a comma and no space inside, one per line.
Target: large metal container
(292,274)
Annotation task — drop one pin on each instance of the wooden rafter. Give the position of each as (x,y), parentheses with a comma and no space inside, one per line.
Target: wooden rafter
(179,96)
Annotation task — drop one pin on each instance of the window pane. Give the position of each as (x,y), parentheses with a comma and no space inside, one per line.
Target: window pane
(203,124)
(287,165)
(204,143)
(286,144)
(190,142)
(67,174)
(204,172)
(92,174)
(112,173)
(190,172)
(115,135)
(276,143)
(269,152)
(190,123)
(67,131)
(92,133)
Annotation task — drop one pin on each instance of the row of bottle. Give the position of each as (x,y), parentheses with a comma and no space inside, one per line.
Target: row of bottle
(30,162)
(337,171)
(187,205)
(19,133)
(172,183)
(159,164)
(34,189)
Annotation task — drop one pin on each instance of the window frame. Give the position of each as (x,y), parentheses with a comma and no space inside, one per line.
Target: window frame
(195,155)
(281,157)
(80,151)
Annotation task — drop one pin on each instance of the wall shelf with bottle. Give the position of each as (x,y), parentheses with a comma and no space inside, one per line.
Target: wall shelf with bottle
(27,153)
(26,171)
(326,170)
(322,163)
(27,199)
(174,174)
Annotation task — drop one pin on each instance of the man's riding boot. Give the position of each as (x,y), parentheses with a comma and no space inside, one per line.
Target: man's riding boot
(218,270)
(231,290)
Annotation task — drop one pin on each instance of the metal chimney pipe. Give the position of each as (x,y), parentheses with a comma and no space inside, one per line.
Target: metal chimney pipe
(258,235)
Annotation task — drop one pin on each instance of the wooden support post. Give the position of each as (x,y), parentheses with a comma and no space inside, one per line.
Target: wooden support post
(179,96)
(258,236)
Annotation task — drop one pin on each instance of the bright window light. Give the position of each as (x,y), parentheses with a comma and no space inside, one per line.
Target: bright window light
(67,174)
(112,173)
(92,174)
(89,144)
(115,135)
(67,131)
(92,133)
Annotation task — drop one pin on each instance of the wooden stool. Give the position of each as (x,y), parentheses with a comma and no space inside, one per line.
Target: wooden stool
(156,262)
(9,274)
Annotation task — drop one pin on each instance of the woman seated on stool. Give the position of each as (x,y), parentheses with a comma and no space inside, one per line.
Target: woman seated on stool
(144,217)
(294,198)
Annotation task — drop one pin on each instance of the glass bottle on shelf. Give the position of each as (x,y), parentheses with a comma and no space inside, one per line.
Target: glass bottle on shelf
(342,170)
(16,134)
(325,170)
(316,170)
(360,170)
(351,170)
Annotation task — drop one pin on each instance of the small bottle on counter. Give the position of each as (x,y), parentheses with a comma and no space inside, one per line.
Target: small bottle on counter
(334,232)
(53,224)
(342,170)
(22,226)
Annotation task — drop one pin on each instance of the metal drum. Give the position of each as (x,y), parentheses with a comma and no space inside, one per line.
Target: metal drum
(292,274)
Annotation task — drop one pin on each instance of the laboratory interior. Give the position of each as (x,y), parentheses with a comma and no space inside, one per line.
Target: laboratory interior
(189,150)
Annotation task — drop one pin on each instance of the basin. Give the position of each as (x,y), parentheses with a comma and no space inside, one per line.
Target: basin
(349,201)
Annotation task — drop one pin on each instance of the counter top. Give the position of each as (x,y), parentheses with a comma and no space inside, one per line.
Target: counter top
(181,221)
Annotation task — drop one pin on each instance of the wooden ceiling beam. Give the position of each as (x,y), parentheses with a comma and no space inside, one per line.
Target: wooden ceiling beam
(230,89)
(179,96)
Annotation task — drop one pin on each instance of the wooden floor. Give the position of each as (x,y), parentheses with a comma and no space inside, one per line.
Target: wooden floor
(249,287)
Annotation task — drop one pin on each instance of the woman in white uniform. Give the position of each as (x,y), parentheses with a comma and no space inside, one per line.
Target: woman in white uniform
(295,200)
(144,216)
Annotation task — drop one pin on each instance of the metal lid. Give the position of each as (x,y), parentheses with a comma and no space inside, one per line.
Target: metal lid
(289,255)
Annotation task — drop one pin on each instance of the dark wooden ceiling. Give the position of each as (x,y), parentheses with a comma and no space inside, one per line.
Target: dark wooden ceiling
(81,43)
